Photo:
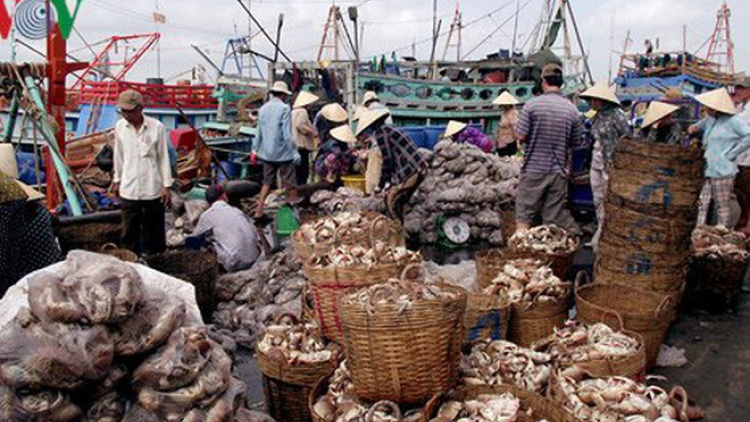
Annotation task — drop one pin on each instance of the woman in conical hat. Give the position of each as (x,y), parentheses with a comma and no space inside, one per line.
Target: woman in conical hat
(725,136)
(336,156)
(462,133)
(659,126)
(506,138)
(608,126)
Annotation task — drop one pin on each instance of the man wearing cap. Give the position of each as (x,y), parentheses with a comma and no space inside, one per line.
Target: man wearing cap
(551,127)
(304,133)
(274,144)
(142,176)
(725,136)
(27,242)
(232,234)
(403,169)
(608,126)
(371,101)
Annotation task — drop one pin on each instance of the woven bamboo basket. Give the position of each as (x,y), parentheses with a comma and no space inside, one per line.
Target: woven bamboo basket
(561,263)
(122,254)
(327,285)
(632,365)
(198,268)
(405,357)
(540,407)
(508,221)
(624,227)
(531,323)
(669,161)
(489,263)
(678,397)
(487,318)
(654,272)
(287,387)
(654,190)
(647,313)
(665,283)
(714,283)
(381,228)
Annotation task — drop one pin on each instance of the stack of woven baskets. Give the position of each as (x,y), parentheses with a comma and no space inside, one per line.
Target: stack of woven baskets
(642,261)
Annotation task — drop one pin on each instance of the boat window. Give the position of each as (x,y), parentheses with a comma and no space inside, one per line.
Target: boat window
(424,92)
(400,90)
(486,94)
(467,94)
(522,92)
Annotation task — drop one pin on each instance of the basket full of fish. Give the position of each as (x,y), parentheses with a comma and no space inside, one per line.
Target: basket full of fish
(548,244)
(345,268)
(403,339)
(617,399)
(718,264)
(504,403)
(598,349)
(293,357)
(502,363)
(346,229)
(334,400)
(538,298)
(100,343)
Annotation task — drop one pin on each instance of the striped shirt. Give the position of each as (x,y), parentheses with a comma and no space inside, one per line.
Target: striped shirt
(553,127)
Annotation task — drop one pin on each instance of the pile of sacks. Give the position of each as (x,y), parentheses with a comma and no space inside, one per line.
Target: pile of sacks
(463,181)
(97,344)
(250,300)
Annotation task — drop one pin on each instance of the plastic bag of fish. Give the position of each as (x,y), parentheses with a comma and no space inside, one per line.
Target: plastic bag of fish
(339,404)
(486,408)
(324,229)
(293,342)
(249,301)
(504,363)
(346,256)
(544,239)
(616,399)
(328,202)
(468,183)
(717,242)
(402,294)
(578,343)
(528,281)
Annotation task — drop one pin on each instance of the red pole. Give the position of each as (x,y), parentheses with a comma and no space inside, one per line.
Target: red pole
(57,72)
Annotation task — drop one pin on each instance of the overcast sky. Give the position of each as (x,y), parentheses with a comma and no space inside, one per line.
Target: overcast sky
(395,24)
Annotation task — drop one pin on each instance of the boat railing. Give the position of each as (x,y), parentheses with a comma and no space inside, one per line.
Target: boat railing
(675,63)
(154,96)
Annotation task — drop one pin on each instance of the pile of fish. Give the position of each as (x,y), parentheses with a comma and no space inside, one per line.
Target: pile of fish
(250,300)
(465,182)
(486,408)
(328,202)
(340,404)
(295,342)
(717,242)
(616,399)
(401,294)
(528,281)
(545,239)
(578,343)
(98,344)
(347,256)
(504,363)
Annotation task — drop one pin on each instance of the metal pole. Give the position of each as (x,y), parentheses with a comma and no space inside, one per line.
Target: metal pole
(12,118)
(263,31)
(515,29)
(158,43)
(580,42)
(278,37)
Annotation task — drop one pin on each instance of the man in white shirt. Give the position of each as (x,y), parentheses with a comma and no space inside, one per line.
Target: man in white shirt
(230,231)
(142,176)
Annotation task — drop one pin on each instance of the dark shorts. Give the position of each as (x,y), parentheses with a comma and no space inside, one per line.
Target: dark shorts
(742,181)
(285,170)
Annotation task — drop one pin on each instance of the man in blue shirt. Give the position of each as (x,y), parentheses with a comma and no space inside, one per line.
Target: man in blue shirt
(274,144)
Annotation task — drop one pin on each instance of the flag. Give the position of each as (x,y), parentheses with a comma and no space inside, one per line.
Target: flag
(160,18)
(6,20)
(66,18)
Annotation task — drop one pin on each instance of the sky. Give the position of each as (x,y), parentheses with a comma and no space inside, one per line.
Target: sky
(393,25)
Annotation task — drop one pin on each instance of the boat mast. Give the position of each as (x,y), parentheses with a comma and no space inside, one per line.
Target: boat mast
(721,47)
(515,28)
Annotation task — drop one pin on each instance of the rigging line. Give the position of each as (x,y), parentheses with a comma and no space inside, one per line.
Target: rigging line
(470,23)
(495,31)
(86,43)
(263,30)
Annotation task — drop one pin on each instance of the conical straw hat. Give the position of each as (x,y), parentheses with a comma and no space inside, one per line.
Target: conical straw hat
(718,100)
(8,163)
(32,193)
(453,128)
(358,112)
(334,112)
(657,111)
(369,117)
(601,91)
(280,87)
(305,99)
(506,99)
(370,96)
(344,134)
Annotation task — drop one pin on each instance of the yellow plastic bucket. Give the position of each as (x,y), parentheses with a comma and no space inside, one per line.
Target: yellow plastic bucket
(355,182)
